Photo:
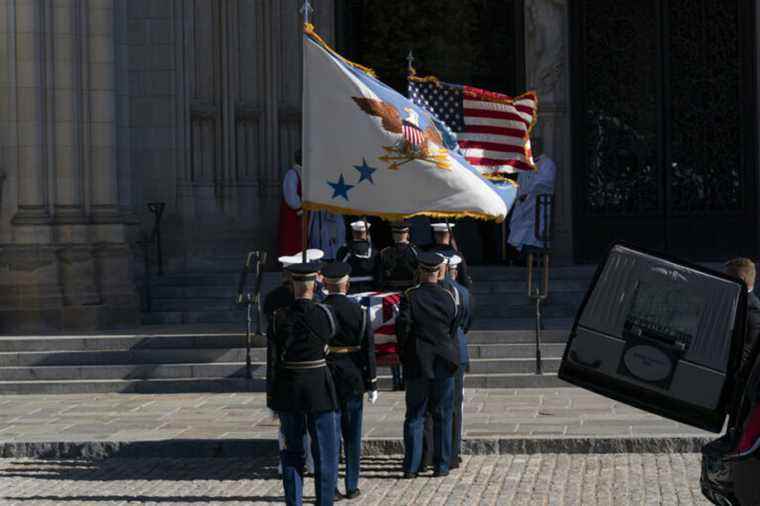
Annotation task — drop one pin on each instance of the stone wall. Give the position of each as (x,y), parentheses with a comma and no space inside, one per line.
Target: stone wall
(64,260)
(215,111)
(546,62)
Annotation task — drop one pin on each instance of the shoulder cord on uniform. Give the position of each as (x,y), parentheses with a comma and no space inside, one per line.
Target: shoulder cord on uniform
(364,324)
(333,327)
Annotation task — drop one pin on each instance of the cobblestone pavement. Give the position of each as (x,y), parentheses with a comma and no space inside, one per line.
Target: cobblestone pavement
(564,412)
(587,480)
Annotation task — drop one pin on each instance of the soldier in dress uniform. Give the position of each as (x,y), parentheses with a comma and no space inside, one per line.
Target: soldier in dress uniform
(302,392)
(426,330)
(443,244)
(352,363)
(282,296)
(464,321)
(399,271)
(399,261)
(366,268)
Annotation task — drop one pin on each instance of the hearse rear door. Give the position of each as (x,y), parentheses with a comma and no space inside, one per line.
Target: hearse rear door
(659,334)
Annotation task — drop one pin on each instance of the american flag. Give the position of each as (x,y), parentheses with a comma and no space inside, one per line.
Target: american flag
(492,129)
(383,308)
(413,134)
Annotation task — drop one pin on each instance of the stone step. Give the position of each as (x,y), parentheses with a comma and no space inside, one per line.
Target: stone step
(198,305)
(130,372)
(496,272)
(522,323)
(133,386)
(224,370)
(191,317)
(515,351)
(156,355)
(523,312)
(186,339)
(514,381)
(139,340)
(487,366)
(127,357)
(242,385)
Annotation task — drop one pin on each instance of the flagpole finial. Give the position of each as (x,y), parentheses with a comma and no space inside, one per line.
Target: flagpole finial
(306,10)
(410,62)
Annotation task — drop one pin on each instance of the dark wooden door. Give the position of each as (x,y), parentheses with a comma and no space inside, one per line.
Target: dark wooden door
(664,127)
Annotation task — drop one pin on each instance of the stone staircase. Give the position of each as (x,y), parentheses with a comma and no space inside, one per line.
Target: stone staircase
(194,340)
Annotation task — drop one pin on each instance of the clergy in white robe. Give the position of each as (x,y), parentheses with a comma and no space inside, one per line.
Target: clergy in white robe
(327,232)
(522,225)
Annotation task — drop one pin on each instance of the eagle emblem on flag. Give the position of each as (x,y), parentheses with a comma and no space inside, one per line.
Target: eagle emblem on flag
(413,142)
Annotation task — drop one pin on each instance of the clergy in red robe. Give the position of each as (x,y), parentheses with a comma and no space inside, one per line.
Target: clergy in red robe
(291,212)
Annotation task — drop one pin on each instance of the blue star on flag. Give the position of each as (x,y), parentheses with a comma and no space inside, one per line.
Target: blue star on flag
(365,171)
(340,189)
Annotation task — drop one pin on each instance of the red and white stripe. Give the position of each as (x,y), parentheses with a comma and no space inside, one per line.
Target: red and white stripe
(383,308)
(413,134)
(496,136)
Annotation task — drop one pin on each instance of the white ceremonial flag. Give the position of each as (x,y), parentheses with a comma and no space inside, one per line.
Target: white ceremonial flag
(367,150)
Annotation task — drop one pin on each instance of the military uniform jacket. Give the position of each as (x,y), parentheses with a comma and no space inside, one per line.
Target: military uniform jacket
(352,350)
(301,381)
(464,317)
(278,298)
(426,330)
(366,268)
(399,263)
(449,251)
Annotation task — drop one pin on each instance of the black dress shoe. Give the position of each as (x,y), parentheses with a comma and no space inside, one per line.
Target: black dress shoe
(409,476)
(353,494)
(454,465)
(338,496)
(440,474)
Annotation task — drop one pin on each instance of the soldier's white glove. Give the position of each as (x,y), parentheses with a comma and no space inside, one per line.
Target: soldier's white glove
(372,396)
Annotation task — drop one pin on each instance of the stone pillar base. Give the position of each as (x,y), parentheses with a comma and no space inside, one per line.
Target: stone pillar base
(45,289)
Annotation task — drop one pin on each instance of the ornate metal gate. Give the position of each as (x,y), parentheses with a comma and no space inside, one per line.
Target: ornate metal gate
(664,126)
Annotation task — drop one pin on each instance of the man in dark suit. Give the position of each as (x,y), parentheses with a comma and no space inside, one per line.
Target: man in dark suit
(426,331)
(744,269)
(302,392)
(352,363)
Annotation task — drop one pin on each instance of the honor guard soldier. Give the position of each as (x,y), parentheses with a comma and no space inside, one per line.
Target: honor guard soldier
(400,260)
(399,263)
(426,330)
(282,296)
(302,391)
(352,362)
(366,269)
(464,320)
(443,243)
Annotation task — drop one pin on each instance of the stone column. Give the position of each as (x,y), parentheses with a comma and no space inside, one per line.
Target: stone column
(33,213)
(120,304)
(71,230)
(30,294)
(101,89)
(546,57)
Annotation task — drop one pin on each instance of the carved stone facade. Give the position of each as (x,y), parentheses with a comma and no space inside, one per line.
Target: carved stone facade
(64,256)
(107,105)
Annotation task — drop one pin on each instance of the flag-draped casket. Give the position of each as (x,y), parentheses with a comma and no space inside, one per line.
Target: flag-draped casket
(382,308)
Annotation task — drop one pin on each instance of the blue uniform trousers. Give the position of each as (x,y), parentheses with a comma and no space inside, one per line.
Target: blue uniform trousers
(349,425)
(439,394)
(324,447)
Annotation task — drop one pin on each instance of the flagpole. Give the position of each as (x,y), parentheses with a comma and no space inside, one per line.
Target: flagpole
(306,10)
(410,64)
